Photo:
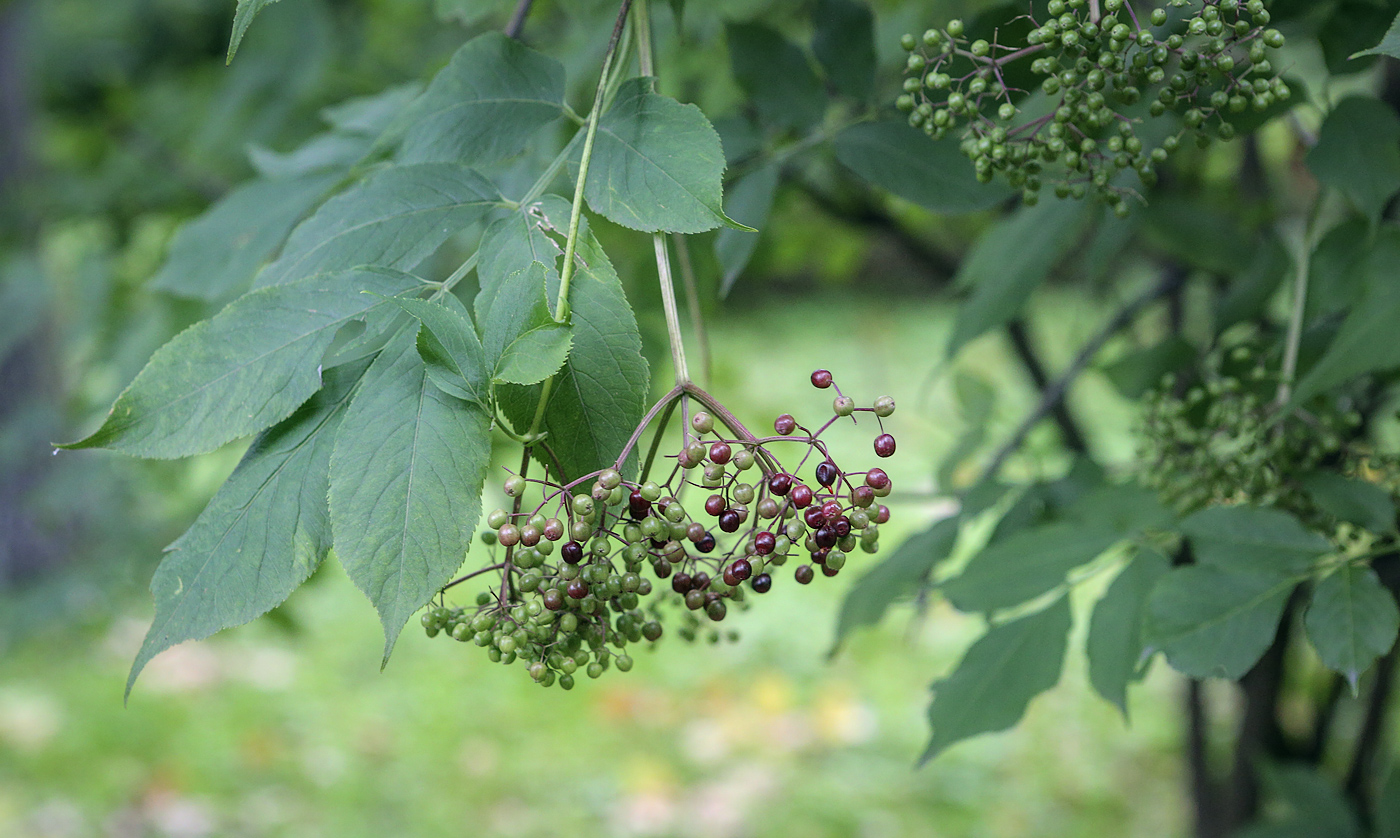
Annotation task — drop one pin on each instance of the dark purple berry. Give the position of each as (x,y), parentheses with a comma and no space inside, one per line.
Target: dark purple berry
(779,483)
(842,527)
(819,556)
(764,542)
(761,583)
(730,520)
(826,536)
(578,589)
(553,600)
(742,569)
(785,424)
(800,495)
(828,570)
(803,574)
(814,516)
(821,379)
(706,544)
(884,445)
(714,505)
(700,581)
(638,505)
(571,552)
(877,479)
(680,583)
(827,473)
(720,453)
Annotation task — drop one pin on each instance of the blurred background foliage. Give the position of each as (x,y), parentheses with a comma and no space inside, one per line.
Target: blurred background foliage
(121,120)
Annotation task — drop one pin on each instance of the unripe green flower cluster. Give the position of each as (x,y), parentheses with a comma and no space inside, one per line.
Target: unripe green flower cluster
(596,564)
(1203,60)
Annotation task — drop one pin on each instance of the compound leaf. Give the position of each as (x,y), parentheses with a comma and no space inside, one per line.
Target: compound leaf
(523,343)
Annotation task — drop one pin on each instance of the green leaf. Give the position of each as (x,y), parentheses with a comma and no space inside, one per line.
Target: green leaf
(997,678)
(1253,286)
(1358,153)
(1355,501)
(1212,623)
(405,485)
(844,43)
(370,116)
(776,76)
(520,239)
(1387,807)
(1010,260)
(263,534)
(1199,234)
(329,151)
(1336,279)
(657,165)
(601,393)
(448,345)
(484,105)
(219,252)
(1349,30)
(1351,620)
(243,370)
(1143,369)
(901,159)
(242,19)
(749,201)
(1303,804)
(1248,539)
(1026,564)
(1365,342)
(1389,45)
(898,576)
(394,219)
(1115,644)
(523,343)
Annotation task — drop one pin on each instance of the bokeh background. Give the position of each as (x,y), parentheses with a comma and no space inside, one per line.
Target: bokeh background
(118,121)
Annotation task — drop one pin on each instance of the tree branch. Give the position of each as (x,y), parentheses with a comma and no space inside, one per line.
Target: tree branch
(517,18)
(1020,337)
(1055,393)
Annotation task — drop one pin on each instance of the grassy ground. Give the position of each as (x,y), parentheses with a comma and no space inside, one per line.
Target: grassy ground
(289,728)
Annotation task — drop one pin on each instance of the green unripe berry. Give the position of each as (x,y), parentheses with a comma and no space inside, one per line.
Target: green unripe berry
(955,27)
(1272,37)
(843,406)
(907,41)
(609,478)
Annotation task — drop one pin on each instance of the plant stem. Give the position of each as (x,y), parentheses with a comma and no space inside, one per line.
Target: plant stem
(517,19)
(1300,300)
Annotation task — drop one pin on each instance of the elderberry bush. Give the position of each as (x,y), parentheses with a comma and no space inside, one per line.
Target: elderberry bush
(1206,61)
(579,570)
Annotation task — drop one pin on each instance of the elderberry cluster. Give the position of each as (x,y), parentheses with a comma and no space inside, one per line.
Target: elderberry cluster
(569,581)
(1219,441)
(1205,60)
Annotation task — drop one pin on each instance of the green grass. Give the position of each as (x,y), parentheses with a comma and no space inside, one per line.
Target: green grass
(290,729)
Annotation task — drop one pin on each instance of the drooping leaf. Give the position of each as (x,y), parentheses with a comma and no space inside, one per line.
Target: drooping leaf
(484,105)
(749,201)
(1355,501)
(1115,643)
(450,349)
(896,157)
(998,676)
(1253,540)
(1351,620)
(1358,153)
(895,578)
(523,343)
(1212,623)
(844,43)
(1026,564)
(657,164)
(1010,260)
(776,76)
(1389,45)
(243,370)
(394,219)
(264,533)
(242,19)
(324,152)
(219,252)
(601,393)
(405,485)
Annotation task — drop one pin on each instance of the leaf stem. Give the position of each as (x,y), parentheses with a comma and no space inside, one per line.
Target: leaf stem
(692,304)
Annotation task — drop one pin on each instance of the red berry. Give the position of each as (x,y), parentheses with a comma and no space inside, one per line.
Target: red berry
(780,483)
(729,577)
(828,570)
(814,516)
(877,479)
(764,542)
(884,445)
(803,574)
(761,583)
(553,600)
(800,495)
(714,505)
(578,589)
(720,453)
(741,569)
(831,510)
(821,379)
(882,515)
(785,424)
(638,505)
(862,496)
(730,520)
